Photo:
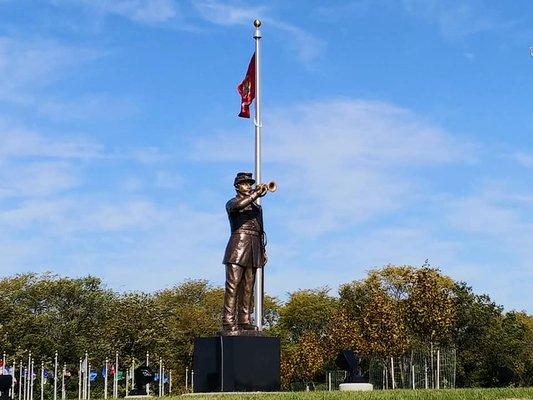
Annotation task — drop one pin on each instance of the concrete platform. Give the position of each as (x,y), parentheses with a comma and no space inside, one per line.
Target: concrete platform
(355,387)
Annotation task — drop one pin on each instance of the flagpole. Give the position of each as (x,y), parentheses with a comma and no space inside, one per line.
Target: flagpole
(258,290)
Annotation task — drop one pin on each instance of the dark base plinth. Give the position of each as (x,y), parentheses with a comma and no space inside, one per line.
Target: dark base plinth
(236,364)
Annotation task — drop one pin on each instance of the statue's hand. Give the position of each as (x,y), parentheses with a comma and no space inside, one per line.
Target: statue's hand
(262,190)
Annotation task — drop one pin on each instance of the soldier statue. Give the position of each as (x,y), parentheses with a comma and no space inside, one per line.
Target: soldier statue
(245,252)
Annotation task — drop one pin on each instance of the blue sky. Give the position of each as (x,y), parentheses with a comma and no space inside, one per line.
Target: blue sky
(398,131)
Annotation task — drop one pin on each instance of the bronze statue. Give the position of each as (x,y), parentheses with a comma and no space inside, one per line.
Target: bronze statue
(245,252)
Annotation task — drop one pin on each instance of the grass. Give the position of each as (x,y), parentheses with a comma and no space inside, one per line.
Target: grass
(448,394)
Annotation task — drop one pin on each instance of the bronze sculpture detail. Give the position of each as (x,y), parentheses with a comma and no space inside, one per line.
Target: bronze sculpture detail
(245,252)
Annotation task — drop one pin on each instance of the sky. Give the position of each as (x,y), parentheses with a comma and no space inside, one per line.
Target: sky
(397,131)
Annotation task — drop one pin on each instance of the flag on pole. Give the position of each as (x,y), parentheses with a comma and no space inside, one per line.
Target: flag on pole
(247,89)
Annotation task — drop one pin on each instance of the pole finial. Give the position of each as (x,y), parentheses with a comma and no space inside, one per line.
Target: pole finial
(257,23)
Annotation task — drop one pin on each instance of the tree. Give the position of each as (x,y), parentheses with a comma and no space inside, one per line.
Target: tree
(302,361)
(308,311)
(378,315)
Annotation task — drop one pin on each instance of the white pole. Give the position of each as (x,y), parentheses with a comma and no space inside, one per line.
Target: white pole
(147,364)
(329,381)
(55,377)
(438,368)
(42,380)
(80,377)
(163,381)
(63,387)
(186,378)
(28,381)
(160,377)
(31,379)
(133,373)
(170,382)
(105,378)
(426,373)
(413,376)
(89,382)
(20,382)
(258,295)
(116,376)
(84,378)
(127,380)
(192,381)
(13,380)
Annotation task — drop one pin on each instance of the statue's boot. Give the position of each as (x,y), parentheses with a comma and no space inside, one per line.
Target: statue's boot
(247,326)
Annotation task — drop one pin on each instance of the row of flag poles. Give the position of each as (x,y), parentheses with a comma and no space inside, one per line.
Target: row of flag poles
(25,372)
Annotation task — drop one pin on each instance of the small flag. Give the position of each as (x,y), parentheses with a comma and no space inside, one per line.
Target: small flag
(93,375)
(247,89)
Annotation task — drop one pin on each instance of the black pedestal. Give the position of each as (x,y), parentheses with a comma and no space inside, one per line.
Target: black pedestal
(236,364)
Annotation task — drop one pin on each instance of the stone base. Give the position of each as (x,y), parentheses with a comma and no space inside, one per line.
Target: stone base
(236,364)
(356,387)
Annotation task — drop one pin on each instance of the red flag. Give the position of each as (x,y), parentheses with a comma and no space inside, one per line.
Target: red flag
(247,89)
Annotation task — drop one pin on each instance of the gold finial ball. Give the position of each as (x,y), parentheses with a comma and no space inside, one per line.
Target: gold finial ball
(257,23)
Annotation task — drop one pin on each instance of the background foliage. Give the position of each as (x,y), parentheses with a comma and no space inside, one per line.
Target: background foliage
(393,310)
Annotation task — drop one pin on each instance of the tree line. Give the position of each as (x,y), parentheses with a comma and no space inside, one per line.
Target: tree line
(390,312)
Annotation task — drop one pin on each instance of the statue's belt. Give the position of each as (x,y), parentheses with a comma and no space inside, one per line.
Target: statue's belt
(248,232)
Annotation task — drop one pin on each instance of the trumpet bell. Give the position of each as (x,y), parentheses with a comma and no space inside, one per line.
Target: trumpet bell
(272,186)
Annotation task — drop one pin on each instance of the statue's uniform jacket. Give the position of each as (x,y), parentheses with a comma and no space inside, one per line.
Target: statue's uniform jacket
(246,243)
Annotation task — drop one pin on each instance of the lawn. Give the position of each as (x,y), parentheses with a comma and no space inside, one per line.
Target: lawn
(449,394)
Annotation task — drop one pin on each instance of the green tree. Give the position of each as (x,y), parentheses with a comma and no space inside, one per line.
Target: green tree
(307,311)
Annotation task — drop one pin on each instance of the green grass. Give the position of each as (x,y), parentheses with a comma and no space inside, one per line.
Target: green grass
(448,394)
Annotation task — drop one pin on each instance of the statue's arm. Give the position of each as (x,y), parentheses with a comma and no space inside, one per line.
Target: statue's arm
(238,204)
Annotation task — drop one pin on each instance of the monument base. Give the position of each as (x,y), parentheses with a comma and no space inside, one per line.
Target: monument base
(355,387)
(236,364)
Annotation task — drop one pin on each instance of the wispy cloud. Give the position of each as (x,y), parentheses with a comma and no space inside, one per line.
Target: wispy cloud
(306,45)
(523,158)
(345,161)
(27,65)
(143,11)
(456,19)
(17,142)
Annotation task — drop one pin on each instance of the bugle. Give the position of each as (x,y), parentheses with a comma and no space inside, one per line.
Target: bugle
(270,186)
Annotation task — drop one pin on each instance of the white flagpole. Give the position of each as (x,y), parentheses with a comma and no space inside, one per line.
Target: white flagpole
(42,380)
(55,377)
(133,373)
(20,379)
(80,377)
(160,370)
(13,374)
(31,379)
(105,378)
(147,364)
(115,377)
(89,382)
(258,295)
(63,388)
(28,381)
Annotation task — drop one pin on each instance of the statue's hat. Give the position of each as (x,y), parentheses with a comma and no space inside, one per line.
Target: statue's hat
(244,177)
